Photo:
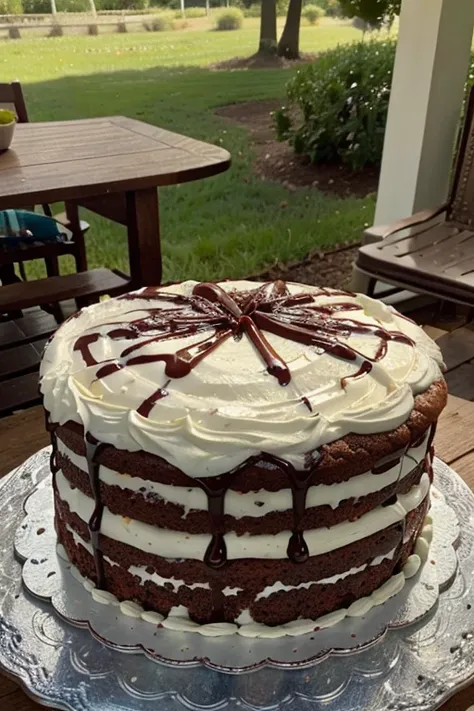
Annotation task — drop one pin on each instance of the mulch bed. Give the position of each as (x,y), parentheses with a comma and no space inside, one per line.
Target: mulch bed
(262,61)
(276,161)
(332,268)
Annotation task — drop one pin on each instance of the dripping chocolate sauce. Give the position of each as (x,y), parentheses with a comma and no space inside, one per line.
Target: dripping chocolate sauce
(271,308)
(53,464)
(93,449)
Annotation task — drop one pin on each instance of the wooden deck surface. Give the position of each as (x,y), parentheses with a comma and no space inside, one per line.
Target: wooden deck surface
(23,434)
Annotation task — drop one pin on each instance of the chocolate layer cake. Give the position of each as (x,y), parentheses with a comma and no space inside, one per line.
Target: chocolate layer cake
(242,457)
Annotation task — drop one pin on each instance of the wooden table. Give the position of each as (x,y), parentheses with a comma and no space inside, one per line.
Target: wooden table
(112,166)
(23,434)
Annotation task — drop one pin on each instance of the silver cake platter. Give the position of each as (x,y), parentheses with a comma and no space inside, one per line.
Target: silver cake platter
(392,666)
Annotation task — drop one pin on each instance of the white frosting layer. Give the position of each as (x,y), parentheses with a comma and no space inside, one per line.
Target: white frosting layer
(178,618)
(141,572)
(279,586)
(176,544)
(257,503)
(229,407)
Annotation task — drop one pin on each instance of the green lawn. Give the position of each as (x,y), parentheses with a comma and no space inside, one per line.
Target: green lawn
(231,225)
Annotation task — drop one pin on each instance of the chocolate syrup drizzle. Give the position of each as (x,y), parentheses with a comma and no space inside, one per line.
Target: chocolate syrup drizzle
(93,449)
(270,308)
(218,315)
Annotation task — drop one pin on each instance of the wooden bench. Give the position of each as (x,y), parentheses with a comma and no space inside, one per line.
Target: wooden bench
(22,340)
(85,287)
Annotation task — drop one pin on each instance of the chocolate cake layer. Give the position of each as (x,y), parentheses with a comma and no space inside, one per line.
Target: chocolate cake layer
(155,511)
(248,577)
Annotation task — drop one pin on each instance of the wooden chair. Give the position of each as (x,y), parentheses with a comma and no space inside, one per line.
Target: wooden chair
(437,257)
(22,339)
(11,96)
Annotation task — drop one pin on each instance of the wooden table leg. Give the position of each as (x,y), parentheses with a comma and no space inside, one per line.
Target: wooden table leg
(144,245)
(80,256)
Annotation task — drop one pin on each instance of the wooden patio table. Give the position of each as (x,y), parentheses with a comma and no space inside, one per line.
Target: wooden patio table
(23,434)
(113,166)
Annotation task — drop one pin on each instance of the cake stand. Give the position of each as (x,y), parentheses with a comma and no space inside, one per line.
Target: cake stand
(414,668)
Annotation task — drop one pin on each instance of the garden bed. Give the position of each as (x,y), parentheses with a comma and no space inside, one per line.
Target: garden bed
(276,161)
(324,268)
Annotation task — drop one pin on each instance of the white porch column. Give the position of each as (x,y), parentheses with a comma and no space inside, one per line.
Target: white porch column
(432,59)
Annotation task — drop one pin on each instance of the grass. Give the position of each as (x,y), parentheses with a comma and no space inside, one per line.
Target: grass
(232,225)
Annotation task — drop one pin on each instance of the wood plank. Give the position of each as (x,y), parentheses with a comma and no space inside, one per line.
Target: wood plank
(7,686)
(19,392)
(457,347)
(460,702)
(21,359)
(441,315)
(37,324)
(56,161)
(112,207)
(27,251)
(88,177)
(455,432)
(21,435)
(18,701)
(434,332)
(93,283)
(464,466)
(399,245)
(9,333)
(34,325)
(461,381)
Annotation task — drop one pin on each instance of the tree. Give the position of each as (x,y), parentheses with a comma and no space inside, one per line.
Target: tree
(289,44)
(92,7)
(375,12)
(268,28)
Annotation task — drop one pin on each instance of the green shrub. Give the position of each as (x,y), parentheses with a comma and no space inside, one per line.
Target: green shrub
(230,19)
(253,11)
(36,7)
(11,7)
(161,22)
(121,4)
(14,32)
(374,12)
(93,30)
(56,30)
(313,13)
(122,27)
(194,12)
(72,6)
(337,107)
(333,8)
(282,7)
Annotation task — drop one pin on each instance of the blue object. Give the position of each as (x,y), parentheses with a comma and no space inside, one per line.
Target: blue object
(17,226)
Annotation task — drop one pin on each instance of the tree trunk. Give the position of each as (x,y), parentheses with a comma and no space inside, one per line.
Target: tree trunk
(53,7)
(182,8)
(268,28)
(92,7)
(207,7)
(289,45)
